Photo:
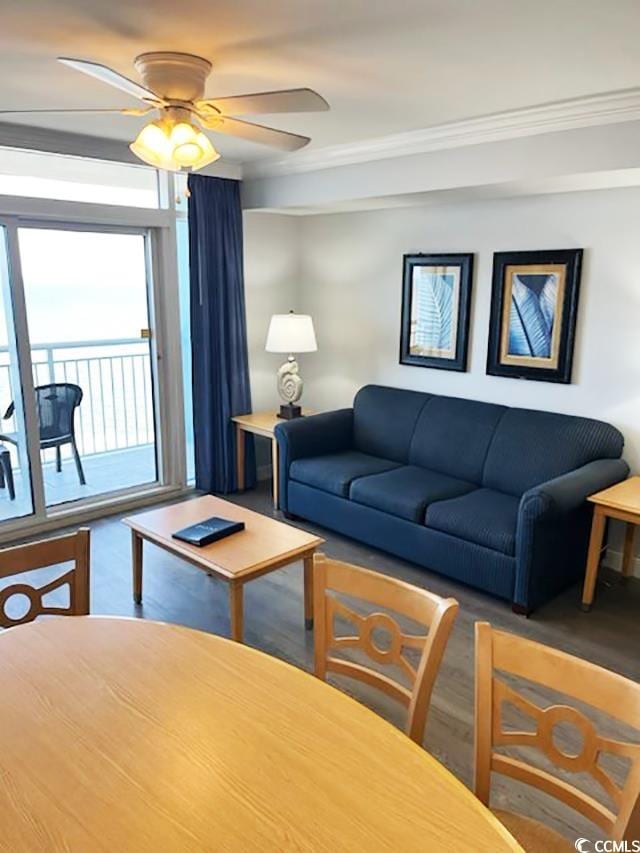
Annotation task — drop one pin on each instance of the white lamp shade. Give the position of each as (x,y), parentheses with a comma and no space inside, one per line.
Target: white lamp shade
(291,333)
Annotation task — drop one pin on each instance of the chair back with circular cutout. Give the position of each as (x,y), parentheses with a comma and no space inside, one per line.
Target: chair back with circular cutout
(500,654)
(437,614)
(74,548)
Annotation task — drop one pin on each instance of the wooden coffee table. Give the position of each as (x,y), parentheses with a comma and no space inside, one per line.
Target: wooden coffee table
(262,547)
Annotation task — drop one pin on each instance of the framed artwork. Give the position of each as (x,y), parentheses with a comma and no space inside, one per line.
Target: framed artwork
(534,304)
(436,299)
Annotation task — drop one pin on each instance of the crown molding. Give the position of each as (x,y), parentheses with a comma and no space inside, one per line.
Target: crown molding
(602,109)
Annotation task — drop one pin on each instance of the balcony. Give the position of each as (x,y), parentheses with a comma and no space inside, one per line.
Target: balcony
(114,423)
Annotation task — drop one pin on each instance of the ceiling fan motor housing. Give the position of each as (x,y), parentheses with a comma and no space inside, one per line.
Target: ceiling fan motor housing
(174,76)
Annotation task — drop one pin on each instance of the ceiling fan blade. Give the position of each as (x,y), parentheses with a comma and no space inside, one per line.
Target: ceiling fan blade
(113,78)
(285,101)
(255,132)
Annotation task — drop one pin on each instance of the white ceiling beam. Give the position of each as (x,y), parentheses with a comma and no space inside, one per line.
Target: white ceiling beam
(98,148)
(523,161)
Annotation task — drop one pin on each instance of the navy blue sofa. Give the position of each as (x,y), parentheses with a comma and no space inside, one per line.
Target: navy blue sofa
(489,495)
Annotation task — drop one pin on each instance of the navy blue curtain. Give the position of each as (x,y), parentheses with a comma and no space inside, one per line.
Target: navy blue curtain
(218,331)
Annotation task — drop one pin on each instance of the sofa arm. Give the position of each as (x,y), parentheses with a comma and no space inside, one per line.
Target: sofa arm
(314,435)
(553,531)
(569,491)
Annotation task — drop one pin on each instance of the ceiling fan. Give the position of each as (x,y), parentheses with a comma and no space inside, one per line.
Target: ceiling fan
(174,87)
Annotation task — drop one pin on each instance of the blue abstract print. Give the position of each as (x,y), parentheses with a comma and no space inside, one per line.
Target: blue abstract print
(532,314)
(435,306)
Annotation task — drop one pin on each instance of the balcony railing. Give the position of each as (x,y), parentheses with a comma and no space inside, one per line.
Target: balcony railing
(115,376)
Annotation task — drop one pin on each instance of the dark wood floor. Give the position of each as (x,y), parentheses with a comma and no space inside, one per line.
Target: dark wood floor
(176,592)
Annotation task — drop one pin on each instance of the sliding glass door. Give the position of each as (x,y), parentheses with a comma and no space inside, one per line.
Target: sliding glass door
(77,366)
(87,310)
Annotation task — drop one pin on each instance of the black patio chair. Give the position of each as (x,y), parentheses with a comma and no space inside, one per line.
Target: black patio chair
(56,405)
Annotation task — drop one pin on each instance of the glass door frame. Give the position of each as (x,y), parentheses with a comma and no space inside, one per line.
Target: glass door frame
(23,348)
(158,230)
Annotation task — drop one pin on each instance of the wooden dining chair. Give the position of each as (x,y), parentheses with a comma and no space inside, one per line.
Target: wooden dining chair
(38,555)
(437,614)
(606,691)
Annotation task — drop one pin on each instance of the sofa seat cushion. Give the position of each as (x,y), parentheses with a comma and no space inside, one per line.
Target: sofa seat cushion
(334,472)
(484,516)
(406,491)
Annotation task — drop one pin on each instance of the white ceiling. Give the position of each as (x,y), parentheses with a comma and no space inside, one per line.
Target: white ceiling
(385,66)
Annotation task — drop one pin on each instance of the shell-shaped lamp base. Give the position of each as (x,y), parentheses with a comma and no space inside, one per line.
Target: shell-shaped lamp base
(290,382)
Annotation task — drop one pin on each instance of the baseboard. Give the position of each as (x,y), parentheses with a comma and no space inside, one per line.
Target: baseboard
(613,560)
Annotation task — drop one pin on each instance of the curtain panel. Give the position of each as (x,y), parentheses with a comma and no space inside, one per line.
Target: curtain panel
(218,332)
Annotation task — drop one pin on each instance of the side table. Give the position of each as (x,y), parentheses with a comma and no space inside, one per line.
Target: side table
(264,424)
(622,502)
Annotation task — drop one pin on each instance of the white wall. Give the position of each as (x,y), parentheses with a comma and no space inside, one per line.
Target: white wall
(351,275)
(271,276)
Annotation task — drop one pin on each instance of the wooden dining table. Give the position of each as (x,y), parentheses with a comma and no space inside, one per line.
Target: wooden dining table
(132,735)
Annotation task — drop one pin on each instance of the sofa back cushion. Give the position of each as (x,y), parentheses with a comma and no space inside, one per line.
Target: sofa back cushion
(452,436)
(384,420)
(530,447)
(508,450)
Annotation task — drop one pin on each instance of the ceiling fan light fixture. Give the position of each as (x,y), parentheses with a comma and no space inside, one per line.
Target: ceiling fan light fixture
(190,147)
(182,133)
(152,146)
(187,154)
(174,146)
(209,153)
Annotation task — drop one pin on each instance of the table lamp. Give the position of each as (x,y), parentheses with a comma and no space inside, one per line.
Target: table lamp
(292,333)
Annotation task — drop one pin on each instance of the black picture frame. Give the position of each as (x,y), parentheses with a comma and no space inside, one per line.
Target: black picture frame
(518,347)
(455,358)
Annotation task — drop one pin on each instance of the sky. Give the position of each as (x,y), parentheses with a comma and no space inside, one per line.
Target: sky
(83,285)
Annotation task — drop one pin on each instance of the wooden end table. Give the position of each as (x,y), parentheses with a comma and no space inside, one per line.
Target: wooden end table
(262,547)
(622,502)
(264,424)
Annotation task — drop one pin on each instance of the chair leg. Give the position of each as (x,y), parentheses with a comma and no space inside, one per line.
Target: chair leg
(6,473)
(58,459)
(76,457)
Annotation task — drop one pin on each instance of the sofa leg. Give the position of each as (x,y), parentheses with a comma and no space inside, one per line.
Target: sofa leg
(521,610)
